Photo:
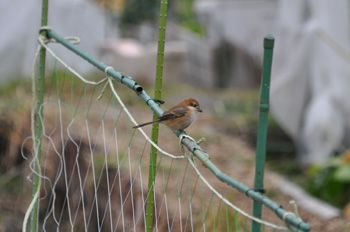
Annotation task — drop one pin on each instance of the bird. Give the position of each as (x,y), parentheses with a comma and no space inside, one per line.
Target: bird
(179,116)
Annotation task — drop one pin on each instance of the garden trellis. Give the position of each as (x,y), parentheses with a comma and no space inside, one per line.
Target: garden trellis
(90,171)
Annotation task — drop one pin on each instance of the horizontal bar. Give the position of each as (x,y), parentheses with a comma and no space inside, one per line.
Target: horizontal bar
(126,80)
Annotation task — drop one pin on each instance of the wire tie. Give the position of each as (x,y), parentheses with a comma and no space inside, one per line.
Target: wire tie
(106,83)
(45,39)
(135,83)
(285,216)
(121,80)
(45,28)
(155,100)
(295,214)
(295,206)
(262,191)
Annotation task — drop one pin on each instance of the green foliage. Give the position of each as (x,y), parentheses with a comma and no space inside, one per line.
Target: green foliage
(14,97)
(220,217)
(241,107)
(137,11)
(187,17)
(10,87)
(11,183)
(288,167)
(331,181)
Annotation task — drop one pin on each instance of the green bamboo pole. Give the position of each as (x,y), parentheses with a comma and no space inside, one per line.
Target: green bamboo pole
(39,114)
(262,126)
(155,127)
(194,148)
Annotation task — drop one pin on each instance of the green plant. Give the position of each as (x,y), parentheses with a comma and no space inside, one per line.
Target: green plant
(331,181)
(187,18)
(137,11)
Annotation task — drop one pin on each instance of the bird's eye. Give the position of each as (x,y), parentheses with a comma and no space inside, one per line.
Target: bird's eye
(194,105)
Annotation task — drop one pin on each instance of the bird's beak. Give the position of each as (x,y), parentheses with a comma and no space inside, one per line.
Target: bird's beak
(199,110)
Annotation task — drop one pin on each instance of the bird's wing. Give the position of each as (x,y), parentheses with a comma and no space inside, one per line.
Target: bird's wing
(174,113)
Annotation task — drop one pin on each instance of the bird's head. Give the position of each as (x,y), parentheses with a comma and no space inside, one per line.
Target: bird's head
(191,102)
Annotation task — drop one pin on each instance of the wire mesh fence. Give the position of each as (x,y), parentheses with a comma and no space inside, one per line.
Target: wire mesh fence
(94,170)
(88,164)
(94,173)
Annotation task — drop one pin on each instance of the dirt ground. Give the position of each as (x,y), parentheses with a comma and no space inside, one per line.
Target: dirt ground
(231,153)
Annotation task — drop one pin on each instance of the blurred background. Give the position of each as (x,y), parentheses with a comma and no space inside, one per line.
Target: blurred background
(213,52)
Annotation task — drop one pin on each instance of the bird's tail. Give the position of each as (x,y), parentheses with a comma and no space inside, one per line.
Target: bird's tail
(147,123)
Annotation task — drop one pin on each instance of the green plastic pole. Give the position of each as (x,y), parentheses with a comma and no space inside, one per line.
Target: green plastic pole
(262,126)
(39,114)
(155,127)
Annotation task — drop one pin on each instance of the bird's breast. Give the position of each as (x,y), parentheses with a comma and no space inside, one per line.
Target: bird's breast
(181,123)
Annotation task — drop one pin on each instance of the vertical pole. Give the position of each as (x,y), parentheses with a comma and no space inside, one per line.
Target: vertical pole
(155,127)
(262,126)
(38,126)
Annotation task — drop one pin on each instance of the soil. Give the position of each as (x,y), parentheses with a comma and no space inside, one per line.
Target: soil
(230,153)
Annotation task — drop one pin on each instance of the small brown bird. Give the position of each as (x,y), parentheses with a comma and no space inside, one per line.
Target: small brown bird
(179,116)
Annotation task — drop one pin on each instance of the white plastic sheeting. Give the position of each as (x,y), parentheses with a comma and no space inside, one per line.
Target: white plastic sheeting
(20,22)
(311,69)
(311,75)
(244,23)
